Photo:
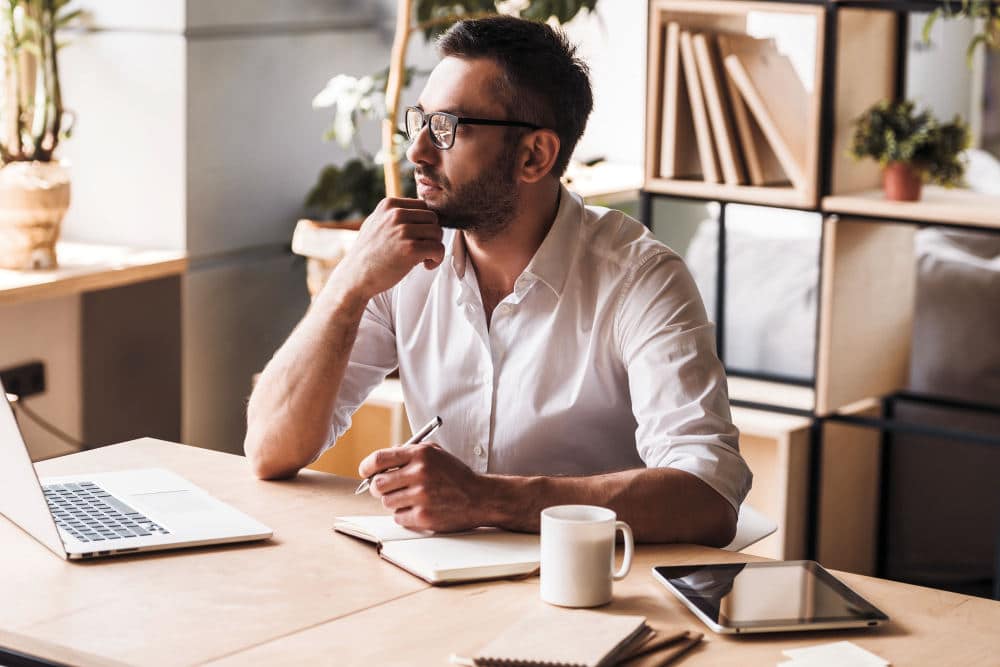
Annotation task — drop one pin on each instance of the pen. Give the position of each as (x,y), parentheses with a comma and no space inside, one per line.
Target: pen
(418,437)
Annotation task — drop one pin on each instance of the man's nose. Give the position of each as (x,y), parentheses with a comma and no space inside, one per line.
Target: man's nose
(421,149)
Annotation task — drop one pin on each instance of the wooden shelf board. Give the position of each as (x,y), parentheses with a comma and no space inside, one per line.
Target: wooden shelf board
(85,267)
(938,205)
(772,393)
(749,194)
(764,424)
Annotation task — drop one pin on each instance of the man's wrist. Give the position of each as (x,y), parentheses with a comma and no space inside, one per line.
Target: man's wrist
(511,502)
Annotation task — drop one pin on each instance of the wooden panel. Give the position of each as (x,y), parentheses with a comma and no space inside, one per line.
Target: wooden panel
(380,422)
(866,66)
(772,393)
(937,204)
(84,267)
(121,328)
(776,447)
(849,495)
(866,311)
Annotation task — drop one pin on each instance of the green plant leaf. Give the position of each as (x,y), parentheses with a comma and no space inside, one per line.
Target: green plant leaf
(929,23)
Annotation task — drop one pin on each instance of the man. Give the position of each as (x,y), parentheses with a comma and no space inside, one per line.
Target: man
(567,351)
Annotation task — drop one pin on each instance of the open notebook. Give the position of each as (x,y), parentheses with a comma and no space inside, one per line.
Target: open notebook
(486,553)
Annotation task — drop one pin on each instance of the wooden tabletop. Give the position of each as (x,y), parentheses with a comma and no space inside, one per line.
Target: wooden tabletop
(311,596)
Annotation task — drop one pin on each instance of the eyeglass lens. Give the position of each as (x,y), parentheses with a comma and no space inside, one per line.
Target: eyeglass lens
(442,127)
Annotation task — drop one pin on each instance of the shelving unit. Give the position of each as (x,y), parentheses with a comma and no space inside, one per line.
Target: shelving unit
(867,279)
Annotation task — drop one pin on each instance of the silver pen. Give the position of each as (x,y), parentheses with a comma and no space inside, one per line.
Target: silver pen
(418,437)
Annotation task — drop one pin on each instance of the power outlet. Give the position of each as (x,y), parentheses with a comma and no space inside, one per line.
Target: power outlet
(25,380)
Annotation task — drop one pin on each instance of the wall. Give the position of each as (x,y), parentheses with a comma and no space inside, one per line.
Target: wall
(194,132)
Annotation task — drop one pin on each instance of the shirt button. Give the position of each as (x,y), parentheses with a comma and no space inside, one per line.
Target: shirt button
(478,450)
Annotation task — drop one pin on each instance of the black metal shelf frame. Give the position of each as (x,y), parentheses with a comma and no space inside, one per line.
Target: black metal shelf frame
(888,423)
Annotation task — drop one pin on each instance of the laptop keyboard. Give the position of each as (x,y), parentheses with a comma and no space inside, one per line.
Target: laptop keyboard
(90,514)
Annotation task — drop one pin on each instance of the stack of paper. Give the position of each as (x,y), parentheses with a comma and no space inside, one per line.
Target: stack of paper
(836,654)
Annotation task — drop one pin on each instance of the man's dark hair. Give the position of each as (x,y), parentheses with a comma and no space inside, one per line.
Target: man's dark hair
(543,80)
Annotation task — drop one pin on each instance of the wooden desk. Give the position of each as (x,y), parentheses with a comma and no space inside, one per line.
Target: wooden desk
(311,596)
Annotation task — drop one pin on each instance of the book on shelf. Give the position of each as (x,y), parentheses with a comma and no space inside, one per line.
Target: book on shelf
(717,103)
(761,163)
(678,151)
(557,637)
(702,129)
(778,101)
(484,553)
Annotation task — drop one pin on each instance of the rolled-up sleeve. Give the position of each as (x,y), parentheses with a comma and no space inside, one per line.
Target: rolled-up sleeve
(372,358)
(676,381)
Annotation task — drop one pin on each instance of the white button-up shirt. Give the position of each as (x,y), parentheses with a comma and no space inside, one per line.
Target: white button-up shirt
(601,359)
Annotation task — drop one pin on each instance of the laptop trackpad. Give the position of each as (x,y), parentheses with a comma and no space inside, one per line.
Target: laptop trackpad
(175,502)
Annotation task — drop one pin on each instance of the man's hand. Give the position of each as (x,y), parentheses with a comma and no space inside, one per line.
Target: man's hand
(431,490)
(399,234)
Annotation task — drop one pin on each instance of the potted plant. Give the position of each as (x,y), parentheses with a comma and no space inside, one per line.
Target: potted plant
(34,186)
(988,11)
(342,196)
(913,148)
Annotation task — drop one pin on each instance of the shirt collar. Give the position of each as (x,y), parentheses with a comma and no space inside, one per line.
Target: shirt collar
(552,260)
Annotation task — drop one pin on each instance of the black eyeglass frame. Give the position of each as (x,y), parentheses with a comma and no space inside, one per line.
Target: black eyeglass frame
(456,120)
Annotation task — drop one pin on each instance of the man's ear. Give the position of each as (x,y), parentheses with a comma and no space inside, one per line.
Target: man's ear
(538,153)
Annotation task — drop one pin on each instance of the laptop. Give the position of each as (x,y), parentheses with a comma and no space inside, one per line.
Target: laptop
(111,513)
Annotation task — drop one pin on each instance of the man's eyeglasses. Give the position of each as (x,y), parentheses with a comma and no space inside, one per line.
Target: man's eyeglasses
(443,125)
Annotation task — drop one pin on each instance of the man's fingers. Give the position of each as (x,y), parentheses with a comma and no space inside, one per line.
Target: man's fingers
(425,232)
(429,251)
(383,459)
(404,202)
(415,216)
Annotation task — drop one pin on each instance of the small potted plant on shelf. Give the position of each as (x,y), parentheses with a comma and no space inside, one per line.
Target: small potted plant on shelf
(913,148)
(34,185)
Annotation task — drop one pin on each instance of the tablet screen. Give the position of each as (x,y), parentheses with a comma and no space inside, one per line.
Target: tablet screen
(757,595)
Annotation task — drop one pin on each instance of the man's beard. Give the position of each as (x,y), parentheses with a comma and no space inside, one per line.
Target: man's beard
(484,206)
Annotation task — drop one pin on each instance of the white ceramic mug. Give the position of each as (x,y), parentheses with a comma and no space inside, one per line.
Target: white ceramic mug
(578,554)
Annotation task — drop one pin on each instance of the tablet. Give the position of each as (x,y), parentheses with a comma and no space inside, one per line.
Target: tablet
(768,597)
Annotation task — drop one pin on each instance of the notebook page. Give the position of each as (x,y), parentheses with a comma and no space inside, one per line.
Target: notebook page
(375,528)
(484,554)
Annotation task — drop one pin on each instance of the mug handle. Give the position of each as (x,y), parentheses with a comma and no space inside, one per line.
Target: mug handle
(629,546)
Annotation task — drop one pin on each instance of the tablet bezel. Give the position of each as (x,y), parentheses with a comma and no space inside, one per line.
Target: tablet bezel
(871,615)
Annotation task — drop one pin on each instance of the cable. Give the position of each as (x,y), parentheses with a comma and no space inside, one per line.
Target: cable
(19,406)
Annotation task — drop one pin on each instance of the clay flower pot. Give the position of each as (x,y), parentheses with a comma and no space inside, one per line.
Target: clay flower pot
(324,244)
(34,197)
(901,182)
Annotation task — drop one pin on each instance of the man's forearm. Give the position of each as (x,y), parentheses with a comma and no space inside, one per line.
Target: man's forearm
(660,504)
(291,408)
